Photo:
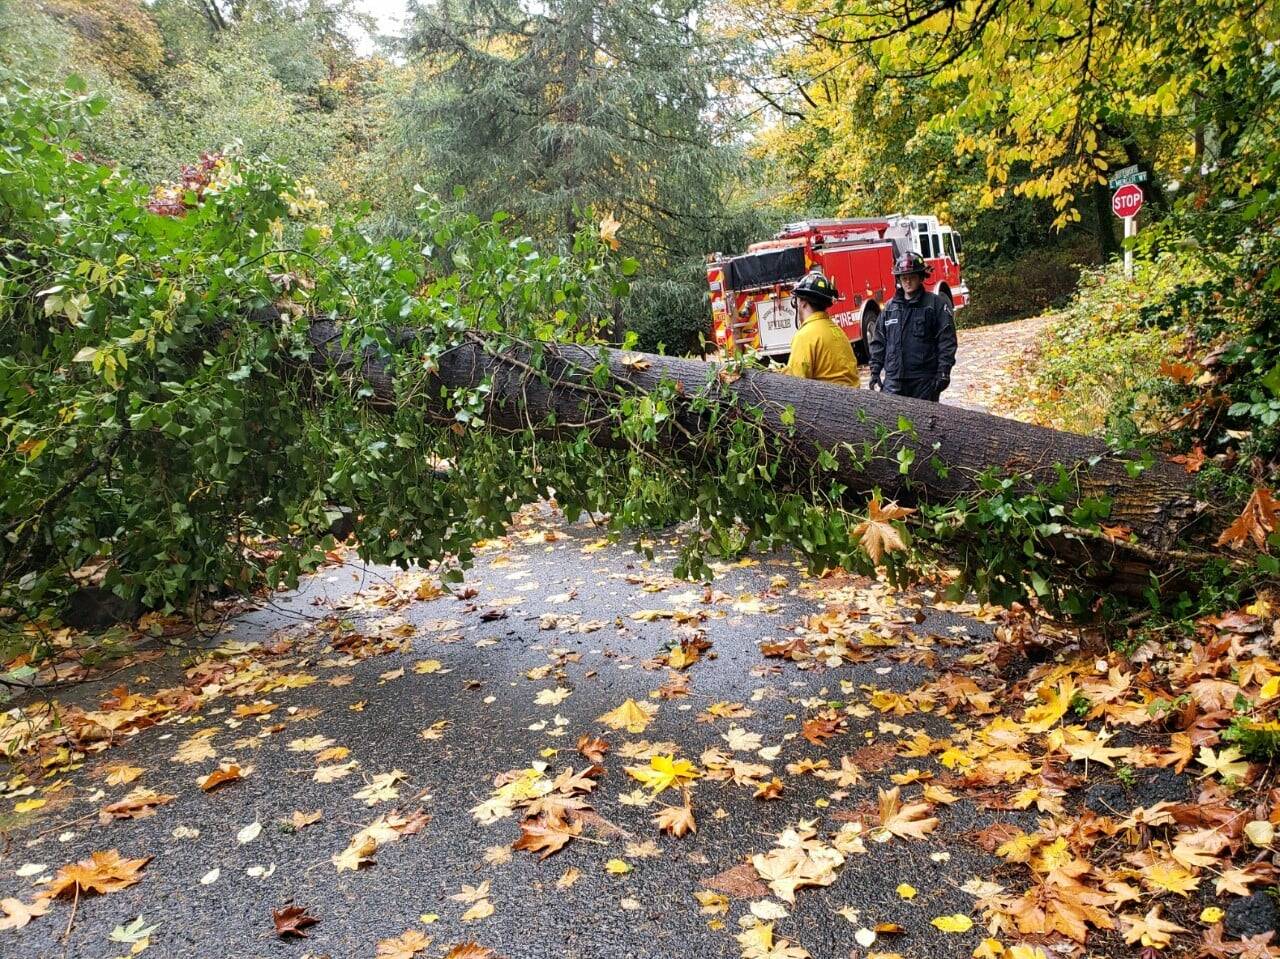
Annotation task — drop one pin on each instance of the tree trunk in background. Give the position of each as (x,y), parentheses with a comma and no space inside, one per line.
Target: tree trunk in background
(1156,505)
(1108,246)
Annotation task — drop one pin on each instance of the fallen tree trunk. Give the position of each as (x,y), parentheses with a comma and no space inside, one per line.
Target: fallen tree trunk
(1156,504)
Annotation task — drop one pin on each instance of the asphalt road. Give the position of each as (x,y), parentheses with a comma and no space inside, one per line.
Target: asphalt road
(488,723)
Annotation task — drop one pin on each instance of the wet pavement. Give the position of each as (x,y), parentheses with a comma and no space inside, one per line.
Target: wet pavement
(447,704)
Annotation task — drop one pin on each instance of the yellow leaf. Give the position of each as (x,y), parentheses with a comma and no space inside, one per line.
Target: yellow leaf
(618,867)
(1212,914)
(1169,877)
(1025,952)
(1150,930)
(712,903)
(954,923)
(663,772)
(1260,832)
(907,891)
(1225,763)
(631,716)
(481,910)
(1052,707)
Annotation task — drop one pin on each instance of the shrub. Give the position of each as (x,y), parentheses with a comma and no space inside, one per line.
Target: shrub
(1026,285)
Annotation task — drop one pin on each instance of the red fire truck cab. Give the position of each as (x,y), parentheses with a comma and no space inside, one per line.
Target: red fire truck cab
(751,305)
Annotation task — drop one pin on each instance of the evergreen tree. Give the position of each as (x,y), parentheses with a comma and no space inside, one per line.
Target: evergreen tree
(551,111)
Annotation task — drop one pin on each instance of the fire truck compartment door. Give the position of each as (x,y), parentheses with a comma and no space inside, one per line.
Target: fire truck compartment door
(766,268)
(776,319)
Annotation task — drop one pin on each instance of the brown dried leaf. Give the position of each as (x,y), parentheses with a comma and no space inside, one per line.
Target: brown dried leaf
(877,535)
(138,804)
(544,837)
(1260,516)
(301,820)
(741,882)
(828,723)
(593,747)
(292,921)
(471,950)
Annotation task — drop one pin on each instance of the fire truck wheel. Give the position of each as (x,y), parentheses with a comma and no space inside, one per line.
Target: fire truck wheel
(862,348)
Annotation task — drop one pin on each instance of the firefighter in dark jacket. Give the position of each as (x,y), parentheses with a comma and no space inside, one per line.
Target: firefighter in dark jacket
(913,345)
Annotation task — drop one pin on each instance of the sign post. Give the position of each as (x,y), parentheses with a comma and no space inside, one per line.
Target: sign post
(1125,203)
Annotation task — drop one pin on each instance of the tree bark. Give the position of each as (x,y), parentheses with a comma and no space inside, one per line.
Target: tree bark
(951,446)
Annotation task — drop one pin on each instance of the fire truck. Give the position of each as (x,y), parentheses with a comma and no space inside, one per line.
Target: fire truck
(751,305)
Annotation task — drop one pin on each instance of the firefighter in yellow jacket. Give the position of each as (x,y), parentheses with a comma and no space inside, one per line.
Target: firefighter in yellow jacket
(820,350)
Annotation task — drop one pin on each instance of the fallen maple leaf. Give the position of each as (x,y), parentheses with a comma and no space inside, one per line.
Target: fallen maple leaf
(1054,701)
(301,820)
(483,909)
(818,729)
(381,788)
(196,749)
(292,921)
(102,872)
(121,774)
(632,716)
(906,822)
(404,946)
(470,950)
(770,790)
(789,868)
(794,650)
(471,894)
(593,747)
(1260,516)
(663,772)
(1225,763)
(18,913)
(676,820)
(876,534)
(545,837)
(138,804)
(227,773)
(1150,929)
(1182,373)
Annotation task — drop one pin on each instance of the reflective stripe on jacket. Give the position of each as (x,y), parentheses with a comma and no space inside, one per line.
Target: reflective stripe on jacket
(821,351)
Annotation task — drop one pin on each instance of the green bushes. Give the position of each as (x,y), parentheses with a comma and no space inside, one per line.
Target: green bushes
(1026,285)
(1103,350)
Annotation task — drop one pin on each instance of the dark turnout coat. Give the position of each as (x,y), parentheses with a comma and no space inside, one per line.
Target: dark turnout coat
(913,346)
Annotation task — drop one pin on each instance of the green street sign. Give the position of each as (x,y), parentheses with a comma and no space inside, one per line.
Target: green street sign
(1130,174)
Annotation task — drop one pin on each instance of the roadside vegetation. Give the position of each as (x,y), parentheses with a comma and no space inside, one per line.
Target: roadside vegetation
(200,199)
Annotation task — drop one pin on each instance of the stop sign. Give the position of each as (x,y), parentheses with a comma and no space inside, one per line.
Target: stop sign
(1127,200)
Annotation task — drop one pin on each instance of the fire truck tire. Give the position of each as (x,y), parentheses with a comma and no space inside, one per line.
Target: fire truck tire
(862,348)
